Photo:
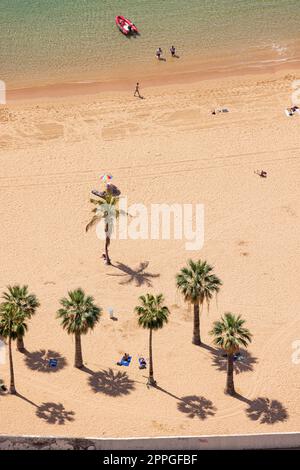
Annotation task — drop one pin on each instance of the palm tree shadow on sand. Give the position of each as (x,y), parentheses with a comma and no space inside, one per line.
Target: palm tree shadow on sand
(114,384)
(196,407)
(138,275)
(264,410)
(54,413)
(244,363)
(39,360)
(192,405)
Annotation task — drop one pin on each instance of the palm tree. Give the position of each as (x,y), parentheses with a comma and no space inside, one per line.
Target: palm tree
(198,284)
(229,334)
(78,315)
(106,209)
(11,322)
(152,314)
(26,306)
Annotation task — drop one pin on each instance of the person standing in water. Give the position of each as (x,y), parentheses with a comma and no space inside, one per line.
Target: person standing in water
(158,53)
(173,51)
(137,90)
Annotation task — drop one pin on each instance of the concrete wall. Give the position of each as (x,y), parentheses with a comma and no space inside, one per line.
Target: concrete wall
(248,441)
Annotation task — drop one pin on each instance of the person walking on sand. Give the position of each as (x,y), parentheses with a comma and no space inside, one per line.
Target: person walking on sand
(137,90)
(173,51)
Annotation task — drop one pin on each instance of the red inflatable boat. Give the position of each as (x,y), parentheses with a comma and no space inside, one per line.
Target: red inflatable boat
(126,26)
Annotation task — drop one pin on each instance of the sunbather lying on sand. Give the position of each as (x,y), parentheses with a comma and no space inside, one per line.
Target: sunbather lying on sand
(217,111)
(125,359)
(261,173)
(291,111)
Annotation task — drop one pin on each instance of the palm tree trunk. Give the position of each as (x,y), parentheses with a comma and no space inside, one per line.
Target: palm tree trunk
(196,332)
(20,344)
(230,384)
(12,388)
(107,243)
(78,351)
(151,380)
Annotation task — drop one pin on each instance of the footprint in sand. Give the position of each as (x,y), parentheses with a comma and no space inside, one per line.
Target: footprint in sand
(119,131)
(50,130)
(160,426)
(46,131)
(289,211)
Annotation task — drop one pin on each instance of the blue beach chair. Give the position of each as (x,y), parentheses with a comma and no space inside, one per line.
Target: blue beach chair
(142,363)
(125,363)
(52,363)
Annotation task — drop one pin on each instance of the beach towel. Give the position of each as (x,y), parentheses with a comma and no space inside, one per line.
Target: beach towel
(125,363)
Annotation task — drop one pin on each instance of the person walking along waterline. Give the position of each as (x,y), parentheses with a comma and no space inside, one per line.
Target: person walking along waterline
(137,90)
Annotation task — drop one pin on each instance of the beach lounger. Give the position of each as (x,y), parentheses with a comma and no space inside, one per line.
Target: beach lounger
(125,363)
(236,357)
(52,363)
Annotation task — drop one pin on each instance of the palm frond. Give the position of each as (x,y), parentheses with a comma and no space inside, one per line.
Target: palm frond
(229,333)
(93,222)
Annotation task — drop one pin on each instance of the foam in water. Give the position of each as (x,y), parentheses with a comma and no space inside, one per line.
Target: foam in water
(48,42)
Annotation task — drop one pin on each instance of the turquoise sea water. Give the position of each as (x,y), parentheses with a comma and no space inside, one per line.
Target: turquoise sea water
(49,41)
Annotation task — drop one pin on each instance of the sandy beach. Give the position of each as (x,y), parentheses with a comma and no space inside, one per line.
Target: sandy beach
(167,148)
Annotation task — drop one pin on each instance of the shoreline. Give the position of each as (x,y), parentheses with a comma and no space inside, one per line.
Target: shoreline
(195,73)
(245,441)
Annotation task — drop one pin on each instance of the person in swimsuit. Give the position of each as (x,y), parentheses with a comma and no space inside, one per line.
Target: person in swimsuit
(173,51)
(158,53)
(143,363)
(137,90)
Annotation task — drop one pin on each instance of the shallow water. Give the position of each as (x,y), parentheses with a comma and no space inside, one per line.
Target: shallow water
(49,41)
